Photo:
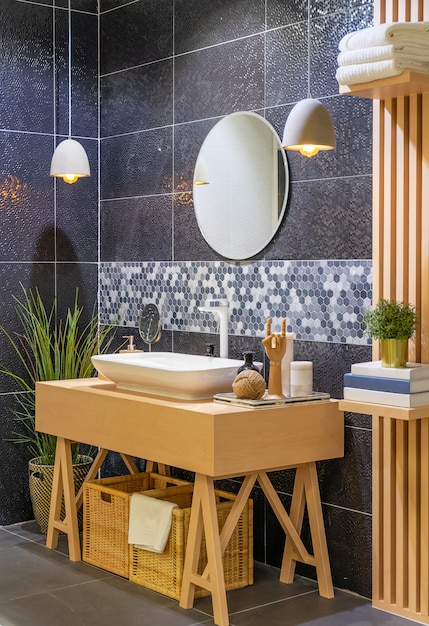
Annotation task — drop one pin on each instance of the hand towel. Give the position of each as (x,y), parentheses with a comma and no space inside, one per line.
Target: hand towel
(366,72)
(149,522)
(392,32)
(381,53)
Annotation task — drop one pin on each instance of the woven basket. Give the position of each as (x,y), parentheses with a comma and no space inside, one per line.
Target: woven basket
(40,481)
(164,572)
(106,505)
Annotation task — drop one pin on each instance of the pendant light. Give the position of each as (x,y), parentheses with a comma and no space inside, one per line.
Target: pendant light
(309,126)
(69,160)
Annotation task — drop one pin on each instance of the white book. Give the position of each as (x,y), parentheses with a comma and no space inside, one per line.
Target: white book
(405,400)
(413,371)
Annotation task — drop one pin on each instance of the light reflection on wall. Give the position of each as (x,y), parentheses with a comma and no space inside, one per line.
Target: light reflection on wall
(12,189)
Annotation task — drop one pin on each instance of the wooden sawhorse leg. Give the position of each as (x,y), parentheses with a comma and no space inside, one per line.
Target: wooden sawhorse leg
(204,516)
(63,485)
(306,490)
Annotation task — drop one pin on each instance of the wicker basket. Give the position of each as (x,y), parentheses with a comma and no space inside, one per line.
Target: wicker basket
(40,479)
(164,572)
(106,505)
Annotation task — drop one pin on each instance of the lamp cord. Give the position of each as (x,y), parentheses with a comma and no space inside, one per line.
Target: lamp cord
(308,48)
(70,61)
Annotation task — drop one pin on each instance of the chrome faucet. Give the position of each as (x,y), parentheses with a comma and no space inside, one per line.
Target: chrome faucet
(219,306)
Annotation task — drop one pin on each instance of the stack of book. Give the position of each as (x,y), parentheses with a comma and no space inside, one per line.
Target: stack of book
(404,387)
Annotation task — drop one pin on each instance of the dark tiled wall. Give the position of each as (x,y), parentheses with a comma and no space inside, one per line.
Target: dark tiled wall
(49,233)
(182,66)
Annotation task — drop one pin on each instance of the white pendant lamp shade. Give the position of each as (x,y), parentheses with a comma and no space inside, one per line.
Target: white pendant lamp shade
(70,161)
(309,128)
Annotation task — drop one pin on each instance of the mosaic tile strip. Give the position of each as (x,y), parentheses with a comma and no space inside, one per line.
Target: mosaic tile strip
(322,300)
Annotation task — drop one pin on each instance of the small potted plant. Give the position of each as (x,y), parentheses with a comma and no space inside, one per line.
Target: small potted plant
(392,323)
(49,348)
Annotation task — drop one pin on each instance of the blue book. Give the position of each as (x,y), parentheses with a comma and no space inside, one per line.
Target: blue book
(392,385)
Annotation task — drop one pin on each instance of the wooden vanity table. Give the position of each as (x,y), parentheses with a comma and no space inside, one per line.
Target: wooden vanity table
(214,441)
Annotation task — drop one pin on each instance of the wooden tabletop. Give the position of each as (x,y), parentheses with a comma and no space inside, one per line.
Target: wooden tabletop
(203,436)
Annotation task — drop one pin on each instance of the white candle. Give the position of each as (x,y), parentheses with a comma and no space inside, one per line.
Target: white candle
(286,361)
(301,378)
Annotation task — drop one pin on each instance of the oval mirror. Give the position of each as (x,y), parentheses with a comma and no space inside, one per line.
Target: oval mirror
(150,324)
(241,184)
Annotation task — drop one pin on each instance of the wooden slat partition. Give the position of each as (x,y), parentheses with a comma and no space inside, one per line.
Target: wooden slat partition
(401,271)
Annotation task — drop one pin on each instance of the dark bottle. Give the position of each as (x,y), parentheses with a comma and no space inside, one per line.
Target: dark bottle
(209,349)
(248,362)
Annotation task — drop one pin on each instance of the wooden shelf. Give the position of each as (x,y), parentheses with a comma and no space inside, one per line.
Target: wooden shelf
(386,410)
(406,84)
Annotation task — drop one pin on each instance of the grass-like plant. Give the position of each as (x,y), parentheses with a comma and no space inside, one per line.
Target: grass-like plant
(391,319)
(49,349)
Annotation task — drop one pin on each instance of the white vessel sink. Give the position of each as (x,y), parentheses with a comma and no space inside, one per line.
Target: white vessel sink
(171,374)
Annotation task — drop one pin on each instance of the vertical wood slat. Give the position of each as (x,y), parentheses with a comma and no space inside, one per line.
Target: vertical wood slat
(414,516)
(424,286)
(402,190)
(378,206)
(377,508)
(424,517)
(401,483)
(389,510)
(389,186)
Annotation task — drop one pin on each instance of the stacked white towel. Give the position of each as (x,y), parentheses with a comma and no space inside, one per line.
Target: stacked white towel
(383,51)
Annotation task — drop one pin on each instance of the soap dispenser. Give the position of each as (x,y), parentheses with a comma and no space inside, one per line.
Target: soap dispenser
(131,346)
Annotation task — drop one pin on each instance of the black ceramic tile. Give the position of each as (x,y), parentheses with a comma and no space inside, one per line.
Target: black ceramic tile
(107,5)
(280,13)
(186,229)
(80,276)
(15,502)
(188,139)
(88,6)
(326,219)
(26,197)
(26,101)
(113,465)
(136,229)
(286,64)
(84,92)
(77,213)
(325,36)
(148,25)
(202,23)
(330,362)
(137,164)
(347,481)
(220,80)
(137,99)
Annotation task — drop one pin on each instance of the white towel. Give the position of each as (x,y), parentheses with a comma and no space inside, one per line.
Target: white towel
(150,522)
(366,72)
(381,53)
(393,32)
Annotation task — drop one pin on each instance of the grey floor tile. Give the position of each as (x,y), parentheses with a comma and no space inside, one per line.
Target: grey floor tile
(41,587)
(108,602)
(29,568)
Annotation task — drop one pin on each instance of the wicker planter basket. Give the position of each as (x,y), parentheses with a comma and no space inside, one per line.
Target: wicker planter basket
(164,572)
(106,505)
(40,482)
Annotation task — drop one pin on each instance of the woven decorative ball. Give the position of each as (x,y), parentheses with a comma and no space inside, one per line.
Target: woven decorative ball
(249,384)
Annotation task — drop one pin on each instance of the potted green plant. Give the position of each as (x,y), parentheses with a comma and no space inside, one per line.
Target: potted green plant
(49,348)
(393,323)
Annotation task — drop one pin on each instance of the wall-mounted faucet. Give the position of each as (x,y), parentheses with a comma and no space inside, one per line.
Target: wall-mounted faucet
(219,307)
